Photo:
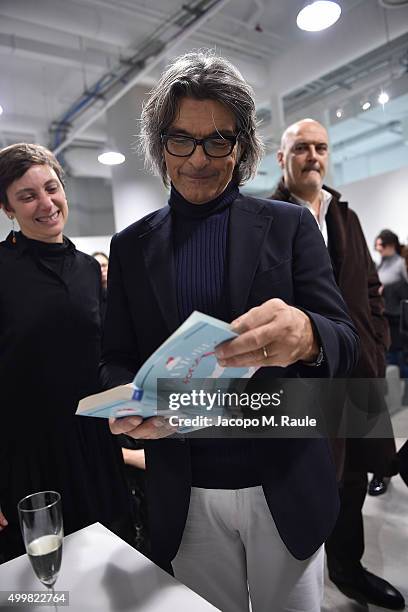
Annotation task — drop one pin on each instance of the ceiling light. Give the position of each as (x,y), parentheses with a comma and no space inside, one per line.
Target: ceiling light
(318,15)
(339,113)
(111,158)
(1,109)
(383,98)
(366,105)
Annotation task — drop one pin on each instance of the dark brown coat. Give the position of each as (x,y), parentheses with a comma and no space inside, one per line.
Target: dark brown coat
(359,284)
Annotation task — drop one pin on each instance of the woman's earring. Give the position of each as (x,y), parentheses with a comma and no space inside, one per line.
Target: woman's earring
(13,231)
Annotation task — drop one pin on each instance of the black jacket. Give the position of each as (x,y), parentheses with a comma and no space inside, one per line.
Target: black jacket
(358,281)
(274,250)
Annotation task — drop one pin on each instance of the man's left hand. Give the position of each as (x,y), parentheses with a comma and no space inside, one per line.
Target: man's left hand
(273,334)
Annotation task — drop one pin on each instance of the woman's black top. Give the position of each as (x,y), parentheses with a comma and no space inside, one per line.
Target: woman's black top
(50,335)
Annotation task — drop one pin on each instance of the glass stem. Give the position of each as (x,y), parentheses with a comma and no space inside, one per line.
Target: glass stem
(51,588)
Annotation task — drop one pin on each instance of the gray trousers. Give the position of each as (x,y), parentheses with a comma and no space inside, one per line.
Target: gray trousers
(232,555)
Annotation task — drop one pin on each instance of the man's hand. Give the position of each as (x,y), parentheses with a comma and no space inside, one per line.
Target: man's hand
(3,521)
(142,429)
(273,334)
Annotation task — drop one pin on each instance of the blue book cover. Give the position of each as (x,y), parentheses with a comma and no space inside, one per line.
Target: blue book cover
(188,354)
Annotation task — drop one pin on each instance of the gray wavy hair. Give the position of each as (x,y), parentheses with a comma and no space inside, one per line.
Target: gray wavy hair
(201,75)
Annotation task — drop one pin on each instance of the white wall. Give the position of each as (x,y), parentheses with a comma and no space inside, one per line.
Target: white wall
(135,191)
(371,163)
(381,202)
(91,244)
(90,207)
(5,226)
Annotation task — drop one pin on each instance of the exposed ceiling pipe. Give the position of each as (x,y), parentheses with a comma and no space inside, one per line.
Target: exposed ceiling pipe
(154,16)
(167,48)
(149,13)
(50,45)
(13,44)
(228,41)
(68,18)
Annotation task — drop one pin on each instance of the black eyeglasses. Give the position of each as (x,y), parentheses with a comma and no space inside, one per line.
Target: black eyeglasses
(184,146)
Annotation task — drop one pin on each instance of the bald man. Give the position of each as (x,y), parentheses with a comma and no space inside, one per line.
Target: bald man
(303,157)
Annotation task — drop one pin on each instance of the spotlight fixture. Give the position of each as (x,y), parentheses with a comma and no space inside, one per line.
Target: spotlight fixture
(339,113)
(318,15)
(383,98)
(111,158)
(366,105)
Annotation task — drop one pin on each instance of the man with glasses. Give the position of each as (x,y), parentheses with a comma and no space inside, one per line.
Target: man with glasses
(231,515)
(303,157)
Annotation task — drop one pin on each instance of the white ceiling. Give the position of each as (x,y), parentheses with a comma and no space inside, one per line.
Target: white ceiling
(52,51)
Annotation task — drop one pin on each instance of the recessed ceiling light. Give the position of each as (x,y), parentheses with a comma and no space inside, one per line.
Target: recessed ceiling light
(111,158)
(339,113)
(318,15)
(366,105)
(1,109)
(383,98)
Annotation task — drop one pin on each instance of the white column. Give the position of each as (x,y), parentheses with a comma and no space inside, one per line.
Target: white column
(278,119)
(324,119)
(135,191)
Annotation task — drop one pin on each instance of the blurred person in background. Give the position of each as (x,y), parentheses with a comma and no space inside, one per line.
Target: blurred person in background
(393,276)
(103,261)
(50,339)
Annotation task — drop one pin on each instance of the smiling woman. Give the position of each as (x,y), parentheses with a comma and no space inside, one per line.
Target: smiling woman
(32,191)
(50,330)
(37,200)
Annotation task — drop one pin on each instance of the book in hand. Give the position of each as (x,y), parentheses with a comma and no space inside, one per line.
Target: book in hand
(186,355)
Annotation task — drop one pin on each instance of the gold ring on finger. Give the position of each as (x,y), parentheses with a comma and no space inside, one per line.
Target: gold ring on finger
(265,352)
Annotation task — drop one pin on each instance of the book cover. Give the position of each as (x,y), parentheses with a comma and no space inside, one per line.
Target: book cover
(188,354)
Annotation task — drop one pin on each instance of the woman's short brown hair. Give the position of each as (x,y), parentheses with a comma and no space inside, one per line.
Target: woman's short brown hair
(16,159)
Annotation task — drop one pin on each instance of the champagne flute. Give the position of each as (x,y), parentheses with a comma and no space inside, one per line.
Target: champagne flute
(42,529)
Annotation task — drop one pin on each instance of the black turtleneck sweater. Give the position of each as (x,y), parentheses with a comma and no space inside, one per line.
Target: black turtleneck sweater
(200,238)
(51,254)
(200,247)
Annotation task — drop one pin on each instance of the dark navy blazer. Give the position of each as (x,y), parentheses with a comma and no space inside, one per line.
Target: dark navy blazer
(275,249)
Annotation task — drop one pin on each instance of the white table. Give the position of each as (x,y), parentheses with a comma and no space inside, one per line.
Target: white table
(101,573)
